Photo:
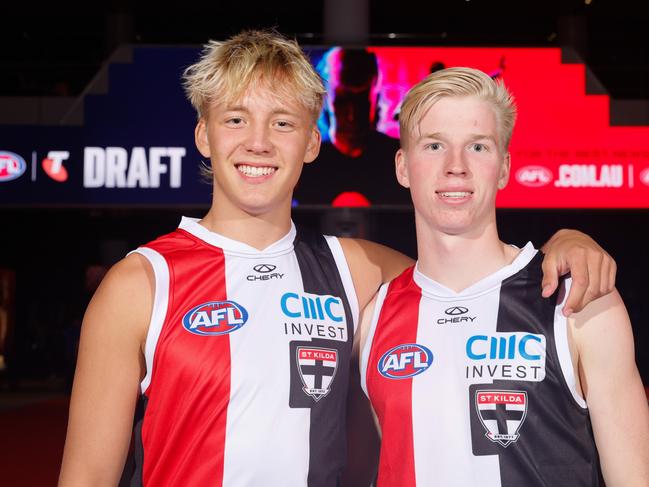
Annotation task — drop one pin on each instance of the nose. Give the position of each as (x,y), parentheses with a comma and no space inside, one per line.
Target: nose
(456,164)
(258,139)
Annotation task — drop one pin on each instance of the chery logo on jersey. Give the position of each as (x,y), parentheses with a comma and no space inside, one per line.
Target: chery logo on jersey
(456,314)
(314,316)
(317,367)
(502,414)
(264,273)
(12,166)
(506,356)
(405,361)
(534,176)
(215,318)
(644,176)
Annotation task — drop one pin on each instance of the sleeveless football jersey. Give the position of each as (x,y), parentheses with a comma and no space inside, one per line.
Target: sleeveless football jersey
(477,387)
(247,359)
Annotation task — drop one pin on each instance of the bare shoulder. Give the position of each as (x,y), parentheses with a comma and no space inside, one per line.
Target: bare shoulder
(371,264)
(124,299)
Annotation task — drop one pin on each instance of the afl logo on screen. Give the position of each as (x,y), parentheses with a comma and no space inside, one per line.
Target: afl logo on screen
(12,166)
(405,361)
(534,176)
(215,318)
(644,176)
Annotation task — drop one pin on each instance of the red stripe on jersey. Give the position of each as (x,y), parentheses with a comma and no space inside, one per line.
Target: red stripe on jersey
(392,398)
(183,432)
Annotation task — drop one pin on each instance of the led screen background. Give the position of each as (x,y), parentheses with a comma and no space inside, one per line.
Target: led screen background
(565,153)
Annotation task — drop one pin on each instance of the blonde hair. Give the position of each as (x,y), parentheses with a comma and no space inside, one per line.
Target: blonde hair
(227,69)
(457,82)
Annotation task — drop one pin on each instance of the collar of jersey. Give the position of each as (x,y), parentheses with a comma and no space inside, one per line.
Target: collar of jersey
(484,285)
(191,225)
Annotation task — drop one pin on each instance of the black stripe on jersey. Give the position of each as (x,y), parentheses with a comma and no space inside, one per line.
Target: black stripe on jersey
(556,445)
(327,436)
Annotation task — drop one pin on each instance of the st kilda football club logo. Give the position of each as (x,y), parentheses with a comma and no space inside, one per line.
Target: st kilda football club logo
(317,367)
(502,414)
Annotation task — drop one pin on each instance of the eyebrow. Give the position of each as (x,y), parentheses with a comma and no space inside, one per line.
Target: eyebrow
(472,137)
(276,111)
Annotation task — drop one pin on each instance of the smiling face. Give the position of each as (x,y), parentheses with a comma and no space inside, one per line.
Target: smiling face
(257,146)
(454,166)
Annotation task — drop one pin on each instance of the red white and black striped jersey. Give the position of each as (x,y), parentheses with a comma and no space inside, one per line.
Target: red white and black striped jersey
(477,387)
(247,360)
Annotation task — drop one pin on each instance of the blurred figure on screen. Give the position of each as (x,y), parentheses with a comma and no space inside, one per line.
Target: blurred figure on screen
(352,95)
(355,155)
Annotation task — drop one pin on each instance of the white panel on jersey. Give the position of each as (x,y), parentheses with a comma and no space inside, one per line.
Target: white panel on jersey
(159,312)
(439,395)
(345,275)
(365,352)
(562,344)
(278,446)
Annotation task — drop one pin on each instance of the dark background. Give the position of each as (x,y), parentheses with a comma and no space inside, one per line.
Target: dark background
(56,51)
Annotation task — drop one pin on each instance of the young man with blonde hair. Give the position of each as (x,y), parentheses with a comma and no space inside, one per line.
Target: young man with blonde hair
(234,332)
(474,379)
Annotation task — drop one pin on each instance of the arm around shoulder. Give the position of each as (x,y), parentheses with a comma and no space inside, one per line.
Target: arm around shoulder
(371,264)
(110,366)
(613,390)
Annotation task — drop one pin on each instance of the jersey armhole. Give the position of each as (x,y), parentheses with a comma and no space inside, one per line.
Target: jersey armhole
(563,347)
(345,276)
(159,311)
(367,348)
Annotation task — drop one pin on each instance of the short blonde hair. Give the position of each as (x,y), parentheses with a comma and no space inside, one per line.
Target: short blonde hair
(227,69)
(457,82)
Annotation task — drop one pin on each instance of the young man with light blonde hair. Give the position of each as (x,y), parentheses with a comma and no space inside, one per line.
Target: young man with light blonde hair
(474,379)
(234,332)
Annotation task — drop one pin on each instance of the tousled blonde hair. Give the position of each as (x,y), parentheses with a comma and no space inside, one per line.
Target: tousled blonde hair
(226,69)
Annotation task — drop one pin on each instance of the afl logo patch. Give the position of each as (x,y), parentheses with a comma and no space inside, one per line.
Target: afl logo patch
(12,166)
(215,318)
(404,361)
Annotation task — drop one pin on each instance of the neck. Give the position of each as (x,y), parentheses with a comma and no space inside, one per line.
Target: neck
(259,230)
(459,261)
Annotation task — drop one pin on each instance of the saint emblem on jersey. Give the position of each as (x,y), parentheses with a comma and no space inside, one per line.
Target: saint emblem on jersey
(502,414)
(317,367)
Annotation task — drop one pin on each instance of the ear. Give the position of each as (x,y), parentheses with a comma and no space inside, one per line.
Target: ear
(200,138)
(313,146)
(503,177)
(401,168)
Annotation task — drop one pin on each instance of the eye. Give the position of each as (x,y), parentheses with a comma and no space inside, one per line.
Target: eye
(477,147)
(234,121)
(434,146)
(284,125)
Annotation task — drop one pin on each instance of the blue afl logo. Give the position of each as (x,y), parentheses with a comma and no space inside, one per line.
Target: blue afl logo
(215,318)
(404,361)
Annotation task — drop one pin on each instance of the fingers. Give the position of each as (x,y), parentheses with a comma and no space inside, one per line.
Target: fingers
(550,276)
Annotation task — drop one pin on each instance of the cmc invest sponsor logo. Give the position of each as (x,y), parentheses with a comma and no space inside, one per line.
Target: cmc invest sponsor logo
(12,166)
(534,176)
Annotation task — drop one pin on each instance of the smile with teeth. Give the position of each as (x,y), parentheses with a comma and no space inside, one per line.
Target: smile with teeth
(454,194)
(255,171)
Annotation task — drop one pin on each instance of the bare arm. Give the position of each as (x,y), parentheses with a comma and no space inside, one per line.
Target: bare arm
(371,265)
(363,442)
(613,390)
(592,269)
(110,366)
